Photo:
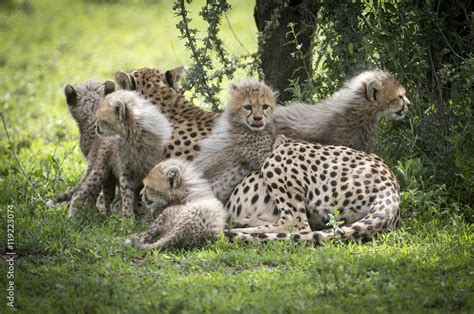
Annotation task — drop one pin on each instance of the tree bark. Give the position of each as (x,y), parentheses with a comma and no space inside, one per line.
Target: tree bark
(278,64)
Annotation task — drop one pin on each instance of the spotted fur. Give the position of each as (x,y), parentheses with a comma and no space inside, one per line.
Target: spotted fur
(313,180)
(190,123)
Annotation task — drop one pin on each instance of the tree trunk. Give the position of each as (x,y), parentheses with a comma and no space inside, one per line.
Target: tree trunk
(278,64)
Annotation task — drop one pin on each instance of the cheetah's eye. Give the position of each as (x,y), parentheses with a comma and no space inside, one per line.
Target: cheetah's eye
(401,97)
(265,107)
(248,107)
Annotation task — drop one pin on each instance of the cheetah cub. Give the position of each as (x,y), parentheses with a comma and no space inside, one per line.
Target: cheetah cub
(83,100)
(351,116)
(193,215)
(143,133)
(242,138)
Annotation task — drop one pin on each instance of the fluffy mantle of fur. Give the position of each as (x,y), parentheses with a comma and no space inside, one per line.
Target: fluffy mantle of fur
(346,118)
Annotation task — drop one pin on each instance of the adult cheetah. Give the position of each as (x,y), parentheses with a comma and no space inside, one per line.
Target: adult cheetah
(313,180)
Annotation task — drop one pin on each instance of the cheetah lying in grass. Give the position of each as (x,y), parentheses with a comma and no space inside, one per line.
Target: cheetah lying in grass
(191,214)
(313,180)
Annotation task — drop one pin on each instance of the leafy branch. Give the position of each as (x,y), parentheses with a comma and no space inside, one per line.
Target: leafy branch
(206,74)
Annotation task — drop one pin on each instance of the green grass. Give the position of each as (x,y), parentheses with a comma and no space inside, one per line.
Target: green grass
(83,265)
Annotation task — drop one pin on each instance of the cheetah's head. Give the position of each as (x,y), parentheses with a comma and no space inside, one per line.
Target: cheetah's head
(147,80)
(251,104)
(163,186)
(386,94)
(115,115)
(84,99)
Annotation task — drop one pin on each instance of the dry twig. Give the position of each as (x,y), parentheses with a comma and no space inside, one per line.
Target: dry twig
(18,160)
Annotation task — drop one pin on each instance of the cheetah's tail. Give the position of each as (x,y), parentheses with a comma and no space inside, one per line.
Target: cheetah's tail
(160,244)
(381,220)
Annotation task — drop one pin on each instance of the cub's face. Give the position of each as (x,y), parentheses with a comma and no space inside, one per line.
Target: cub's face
(395,99)
(113,115)
(251,104)
(107,119)
(161,188)
(389,97)
(255,114)
(83,100)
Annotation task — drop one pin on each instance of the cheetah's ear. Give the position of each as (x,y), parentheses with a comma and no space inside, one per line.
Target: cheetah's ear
(233,87)
(276,94)
(71,94)
(125,81)
(372,90)
(173,77)
(109,87)
(174,177)
(121,110)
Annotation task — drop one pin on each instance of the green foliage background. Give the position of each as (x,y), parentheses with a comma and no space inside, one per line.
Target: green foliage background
(428,46)
(84,265)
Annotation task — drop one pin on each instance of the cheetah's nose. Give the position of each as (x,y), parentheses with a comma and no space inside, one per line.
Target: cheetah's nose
(258,121)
